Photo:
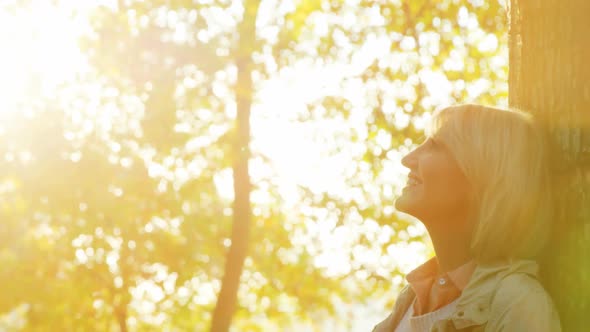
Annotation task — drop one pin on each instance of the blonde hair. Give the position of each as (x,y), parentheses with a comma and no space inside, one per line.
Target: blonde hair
(503,154)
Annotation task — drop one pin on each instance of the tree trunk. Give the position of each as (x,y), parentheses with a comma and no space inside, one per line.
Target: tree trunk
(226,301)
(550,76)
(121,315)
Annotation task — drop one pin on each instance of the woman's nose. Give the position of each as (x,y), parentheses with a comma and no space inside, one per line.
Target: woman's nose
(409,160)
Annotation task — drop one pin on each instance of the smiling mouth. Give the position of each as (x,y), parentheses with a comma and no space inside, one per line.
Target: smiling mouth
(413,180)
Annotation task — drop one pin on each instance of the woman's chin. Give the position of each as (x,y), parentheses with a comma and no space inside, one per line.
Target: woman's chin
(405,202)
(402,204)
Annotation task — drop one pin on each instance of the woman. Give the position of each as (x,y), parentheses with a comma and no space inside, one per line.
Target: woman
(480,185)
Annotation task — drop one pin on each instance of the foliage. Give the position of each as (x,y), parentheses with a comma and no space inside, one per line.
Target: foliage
(113,208)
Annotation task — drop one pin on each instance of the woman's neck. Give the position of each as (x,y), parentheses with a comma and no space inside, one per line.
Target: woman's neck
(451,245)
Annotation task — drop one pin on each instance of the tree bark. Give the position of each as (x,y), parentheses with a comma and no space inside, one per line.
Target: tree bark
(227,298)
(550,77)
(121,315)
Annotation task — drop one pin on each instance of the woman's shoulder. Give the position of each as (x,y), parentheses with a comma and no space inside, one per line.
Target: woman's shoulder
(517,285)
(507,296)
(521,303)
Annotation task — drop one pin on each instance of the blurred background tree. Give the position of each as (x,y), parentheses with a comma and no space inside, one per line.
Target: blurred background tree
(116,183)
(549,75)
(242,212)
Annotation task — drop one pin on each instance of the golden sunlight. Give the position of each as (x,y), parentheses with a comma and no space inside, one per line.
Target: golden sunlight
(122,214)
(39,52)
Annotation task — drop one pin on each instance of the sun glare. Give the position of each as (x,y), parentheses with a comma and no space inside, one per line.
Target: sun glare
(39,52)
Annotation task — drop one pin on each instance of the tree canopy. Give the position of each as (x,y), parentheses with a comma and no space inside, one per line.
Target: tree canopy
(116,182)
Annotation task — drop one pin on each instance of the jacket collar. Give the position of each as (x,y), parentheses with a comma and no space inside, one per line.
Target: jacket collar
(473,306)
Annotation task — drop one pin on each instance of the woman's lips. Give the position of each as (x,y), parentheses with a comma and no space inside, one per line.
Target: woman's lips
(411,185)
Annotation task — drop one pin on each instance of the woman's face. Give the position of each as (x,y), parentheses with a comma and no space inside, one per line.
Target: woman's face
(437,188)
